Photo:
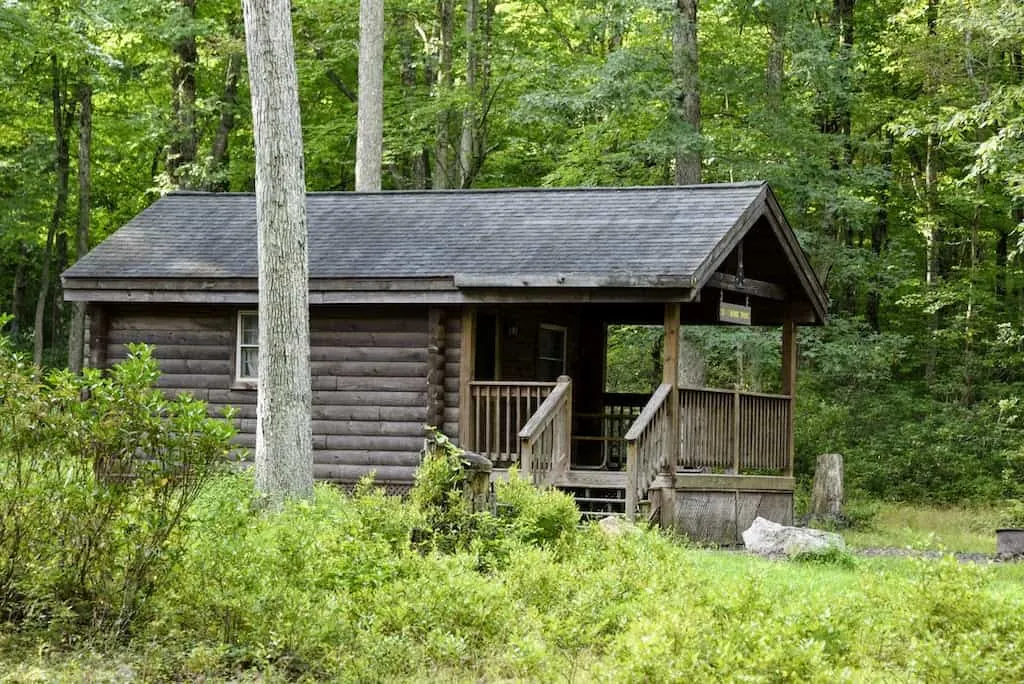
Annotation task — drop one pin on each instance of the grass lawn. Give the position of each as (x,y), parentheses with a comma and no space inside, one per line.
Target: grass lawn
(927,528)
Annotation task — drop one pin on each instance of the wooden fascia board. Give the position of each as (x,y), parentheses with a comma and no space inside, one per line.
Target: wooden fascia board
(514,296)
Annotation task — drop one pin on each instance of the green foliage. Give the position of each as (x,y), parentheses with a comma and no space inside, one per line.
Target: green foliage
(96,476)
(1012,514)
(544,517)
(833,555)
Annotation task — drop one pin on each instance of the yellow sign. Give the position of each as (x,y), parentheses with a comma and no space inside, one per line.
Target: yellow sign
(733,313)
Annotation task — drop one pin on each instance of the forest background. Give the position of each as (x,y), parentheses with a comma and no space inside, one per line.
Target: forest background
(891,132)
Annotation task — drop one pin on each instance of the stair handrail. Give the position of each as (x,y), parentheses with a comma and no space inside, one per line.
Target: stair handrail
(645,452)
(546,439)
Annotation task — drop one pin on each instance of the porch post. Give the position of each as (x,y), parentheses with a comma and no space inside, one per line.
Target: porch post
(789,382)
(99,325)
(670,376)
(467,362)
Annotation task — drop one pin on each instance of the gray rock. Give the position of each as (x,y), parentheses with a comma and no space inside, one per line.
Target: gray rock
(614,526)
(767,538)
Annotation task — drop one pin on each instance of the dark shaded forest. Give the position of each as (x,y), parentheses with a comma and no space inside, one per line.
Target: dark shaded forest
(890,131)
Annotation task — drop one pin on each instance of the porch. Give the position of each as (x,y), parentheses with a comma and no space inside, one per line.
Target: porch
(728,442)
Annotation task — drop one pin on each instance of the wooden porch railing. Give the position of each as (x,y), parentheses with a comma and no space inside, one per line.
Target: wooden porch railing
(735,431)
(498,411)
(646,443)
(601,437)
(545,442)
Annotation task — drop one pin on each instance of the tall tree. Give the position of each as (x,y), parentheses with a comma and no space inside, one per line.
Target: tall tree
(685,64)
(370,113)
(181,153)
(63,113)
(76,336)
(284,453)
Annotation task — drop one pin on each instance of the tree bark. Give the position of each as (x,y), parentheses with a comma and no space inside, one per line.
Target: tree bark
(284,454)
(370,109)
(217,180)
(685,65)
(76,337)
(827,494)
(62,164)
(467,143)
(445,81)
(181,153)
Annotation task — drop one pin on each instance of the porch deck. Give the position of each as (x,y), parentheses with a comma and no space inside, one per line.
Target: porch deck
(728,441)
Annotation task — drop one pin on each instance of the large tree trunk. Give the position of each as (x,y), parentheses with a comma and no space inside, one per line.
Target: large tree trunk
(218,180)
(370,116)
(62,164)
(467,143)
(284,454)
(76,337)
(445,81)
(685,65)
(181,153)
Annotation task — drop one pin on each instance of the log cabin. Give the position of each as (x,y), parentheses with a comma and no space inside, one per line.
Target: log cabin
(486,313)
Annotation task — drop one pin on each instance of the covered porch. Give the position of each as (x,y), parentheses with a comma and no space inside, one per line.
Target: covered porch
(697,458)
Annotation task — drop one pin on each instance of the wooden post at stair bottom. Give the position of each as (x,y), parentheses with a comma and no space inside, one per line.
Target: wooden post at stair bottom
(670,376)
(467,363)
(789,359)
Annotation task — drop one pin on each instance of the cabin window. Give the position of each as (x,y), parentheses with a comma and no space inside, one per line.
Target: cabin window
(248,353)
(550,352)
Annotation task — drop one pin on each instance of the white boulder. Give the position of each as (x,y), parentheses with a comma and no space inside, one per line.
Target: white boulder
(767,538)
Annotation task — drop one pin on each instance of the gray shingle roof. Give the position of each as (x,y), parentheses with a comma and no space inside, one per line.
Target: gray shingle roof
(607,232)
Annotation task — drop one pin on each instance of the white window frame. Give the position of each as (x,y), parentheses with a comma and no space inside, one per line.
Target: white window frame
(239,346)
(561,329)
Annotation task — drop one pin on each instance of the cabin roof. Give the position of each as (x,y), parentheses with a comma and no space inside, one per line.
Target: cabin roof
(623,238)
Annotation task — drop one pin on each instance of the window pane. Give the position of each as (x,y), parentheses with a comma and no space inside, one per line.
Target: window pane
(250,329)
(250,362)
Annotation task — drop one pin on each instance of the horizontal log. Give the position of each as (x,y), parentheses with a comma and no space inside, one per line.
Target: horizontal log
(246,440)
(187,338)
(354,473)
(241,410)
(395,369)
(368,353)
(232,396)
(156,322)
(369,338)
(210,352)
(370,398)
(366,458)
(374,443)
(367,412)
(191,366)
(196,392)
(195,381)
(416,323)
(370,384)
(369,428)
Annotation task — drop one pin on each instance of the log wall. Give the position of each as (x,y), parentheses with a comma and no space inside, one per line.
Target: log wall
(369,378)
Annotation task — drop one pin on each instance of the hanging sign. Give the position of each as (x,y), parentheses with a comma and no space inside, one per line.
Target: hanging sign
(733,313)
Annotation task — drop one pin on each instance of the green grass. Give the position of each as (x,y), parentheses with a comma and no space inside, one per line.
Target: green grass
(926,528)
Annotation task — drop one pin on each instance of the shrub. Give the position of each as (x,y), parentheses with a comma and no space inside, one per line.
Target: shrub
(96,475)
(536,516)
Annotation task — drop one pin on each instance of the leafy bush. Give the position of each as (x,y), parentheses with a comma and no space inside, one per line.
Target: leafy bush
(537,516)
(96,475)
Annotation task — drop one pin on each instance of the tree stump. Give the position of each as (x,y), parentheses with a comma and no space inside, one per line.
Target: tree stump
(827,496)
